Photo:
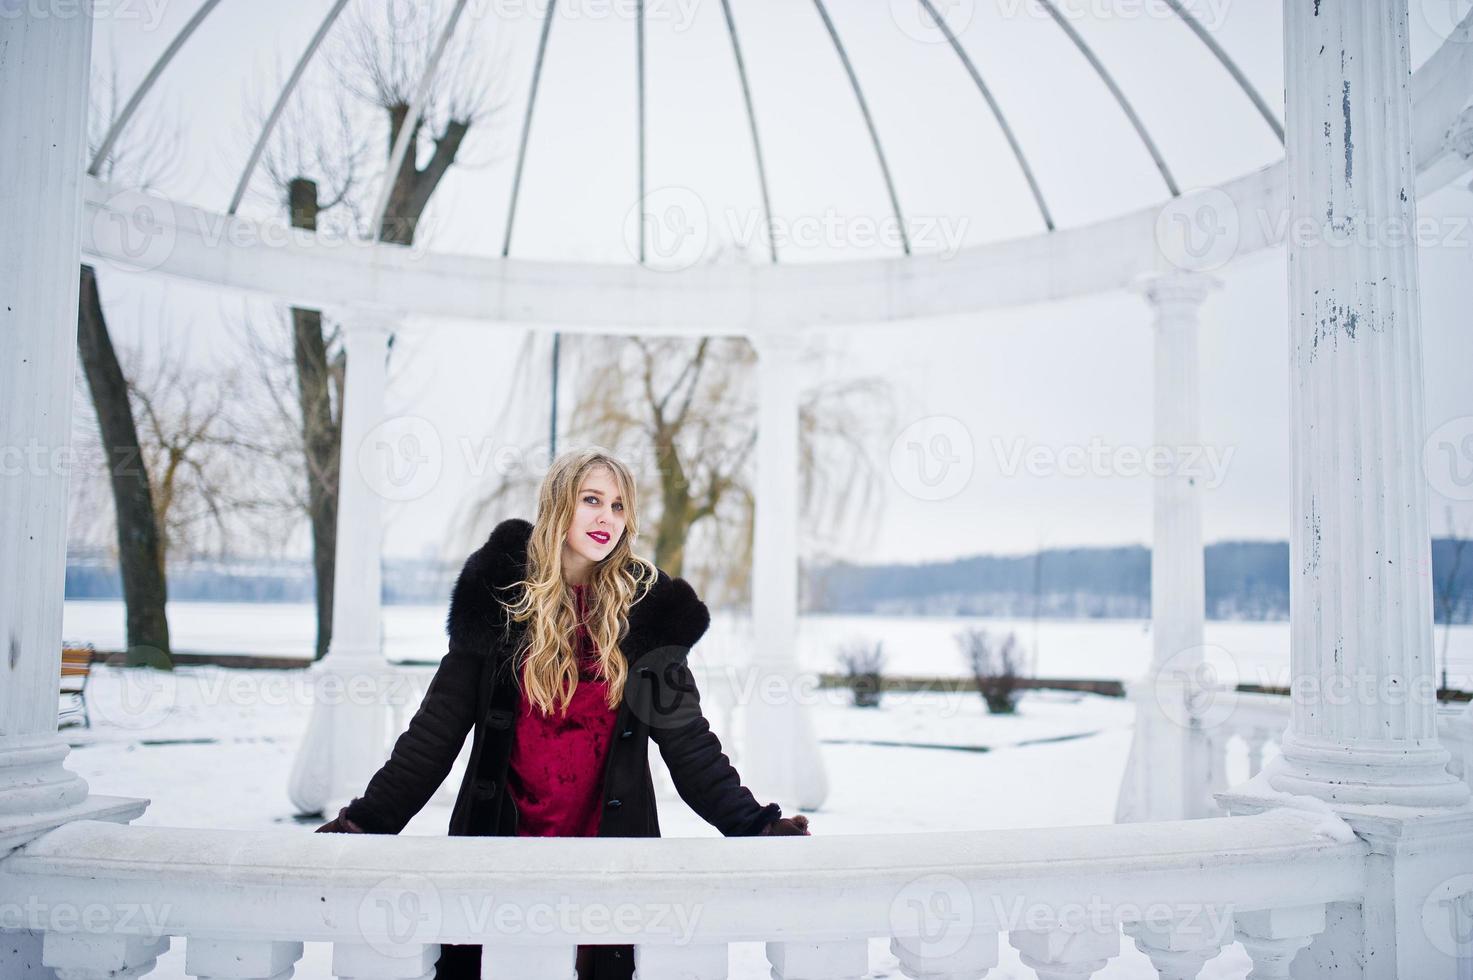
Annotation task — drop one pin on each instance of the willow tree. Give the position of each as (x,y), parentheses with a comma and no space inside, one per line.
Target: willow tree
(683,413)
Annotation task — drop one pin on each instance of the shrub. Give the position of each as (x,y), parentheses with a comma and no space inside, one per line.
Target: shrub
(863,665)
(996,665)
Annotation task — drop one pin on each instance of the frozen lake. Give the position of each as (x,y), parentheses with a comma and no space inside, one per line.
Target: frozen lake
(1258,652)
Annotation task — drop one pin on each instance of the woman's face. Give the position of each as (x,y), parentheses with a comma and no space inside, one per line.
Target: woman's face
(598,523)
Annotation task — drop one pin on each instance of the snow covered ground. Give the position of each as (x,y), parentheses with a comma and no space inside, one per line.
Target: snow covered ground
(1255,652)
(220,756)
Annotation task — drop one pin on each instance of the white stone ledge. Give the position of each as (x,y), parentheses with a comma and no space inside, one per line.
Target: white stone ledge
(280,885)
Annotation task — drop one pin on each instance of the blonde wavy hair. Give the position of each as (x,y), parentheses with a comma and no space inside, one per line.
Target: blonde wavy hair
(548,662)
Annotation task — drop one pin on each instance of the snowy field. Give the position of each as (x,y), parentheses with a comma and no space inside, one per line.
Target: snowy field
(922,762)
(1254,652)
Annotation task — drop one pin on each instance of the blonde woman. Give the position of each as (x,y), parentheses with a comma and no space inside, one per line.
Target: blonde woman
(566,654)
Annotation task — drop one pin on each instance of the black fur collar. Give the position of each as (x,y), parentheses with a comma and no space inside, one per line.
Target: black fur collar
(671,615)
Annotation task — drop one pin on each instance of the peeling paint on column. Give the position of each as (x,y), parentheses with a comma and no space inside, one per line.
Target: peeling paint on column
(1349,146)
(1335,319)
(1312,564)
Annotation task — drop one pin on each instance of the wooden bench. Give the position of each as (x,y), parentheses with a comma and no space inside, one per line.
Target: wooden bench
(76,667)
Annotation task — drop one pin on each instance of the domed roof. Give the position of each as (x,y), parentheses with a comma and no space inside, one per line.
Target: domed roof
(768,130)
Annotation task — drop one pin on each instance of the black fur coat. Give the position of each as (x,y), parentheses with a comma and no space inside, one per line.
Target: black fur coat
(477,690)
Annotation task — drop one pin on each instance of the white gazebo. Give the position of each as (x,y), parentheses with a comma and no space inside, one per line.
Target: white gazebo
(1355,846)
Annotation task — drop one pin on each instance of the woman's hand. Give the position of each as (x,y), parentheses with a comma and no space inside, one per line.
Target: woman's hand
(787,827)
(340,825)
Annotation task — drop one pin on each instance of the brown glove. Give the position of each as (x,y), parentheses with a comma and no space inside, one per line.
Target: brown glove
(340,825)
(787,827)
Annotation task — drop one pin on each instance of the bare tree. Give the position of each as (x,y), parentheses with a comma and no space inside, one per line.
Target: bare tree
(208,491)
(141,158)
(317,165)
(199,440)
(383,62)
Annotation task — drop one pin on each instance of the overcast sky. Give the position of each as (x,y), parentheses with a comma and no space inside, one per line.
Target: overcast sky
(1071,377)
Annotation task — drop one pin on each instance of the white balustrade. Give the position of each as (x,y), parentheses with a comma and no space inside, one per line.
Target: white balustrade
(1273,937)
(693,961)
(1066,954)
(1177,950)
(371,961)
(244,902)
(101,956)
(232,959)
(818,961)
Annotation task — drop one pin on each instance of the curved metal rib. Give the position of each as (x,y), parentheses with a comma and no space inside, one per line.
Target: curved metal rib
(997,113)
(639,71)
(868,122)
(516,180)
(1120,98)
(1231,66)
(120,123)
(276,110)
(741,66)
(411,120)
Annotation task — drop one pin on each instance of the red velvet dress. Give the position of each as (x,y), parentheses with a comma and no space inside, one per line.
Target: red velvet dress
(555,777)
(556,770)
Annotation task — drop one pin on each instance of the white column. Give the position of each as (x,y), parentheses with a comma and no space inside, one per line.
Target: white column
(44,71)
(1178,595)
(346,733)
(1167,775)
(1363,725)
(1362,733)
(780,759)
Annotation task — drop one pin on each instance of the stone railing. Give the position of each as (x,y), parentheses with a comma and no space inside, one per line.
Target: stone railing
(1251,724)
(96,900)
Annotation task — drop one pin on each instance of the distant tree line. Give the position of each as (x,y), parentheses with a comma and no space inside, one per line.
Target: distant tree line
(405,580)
(1244,580)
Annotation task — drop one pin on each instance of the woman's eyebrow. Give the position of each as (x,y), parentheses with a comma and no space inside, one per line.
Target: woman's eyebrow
(598,494)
